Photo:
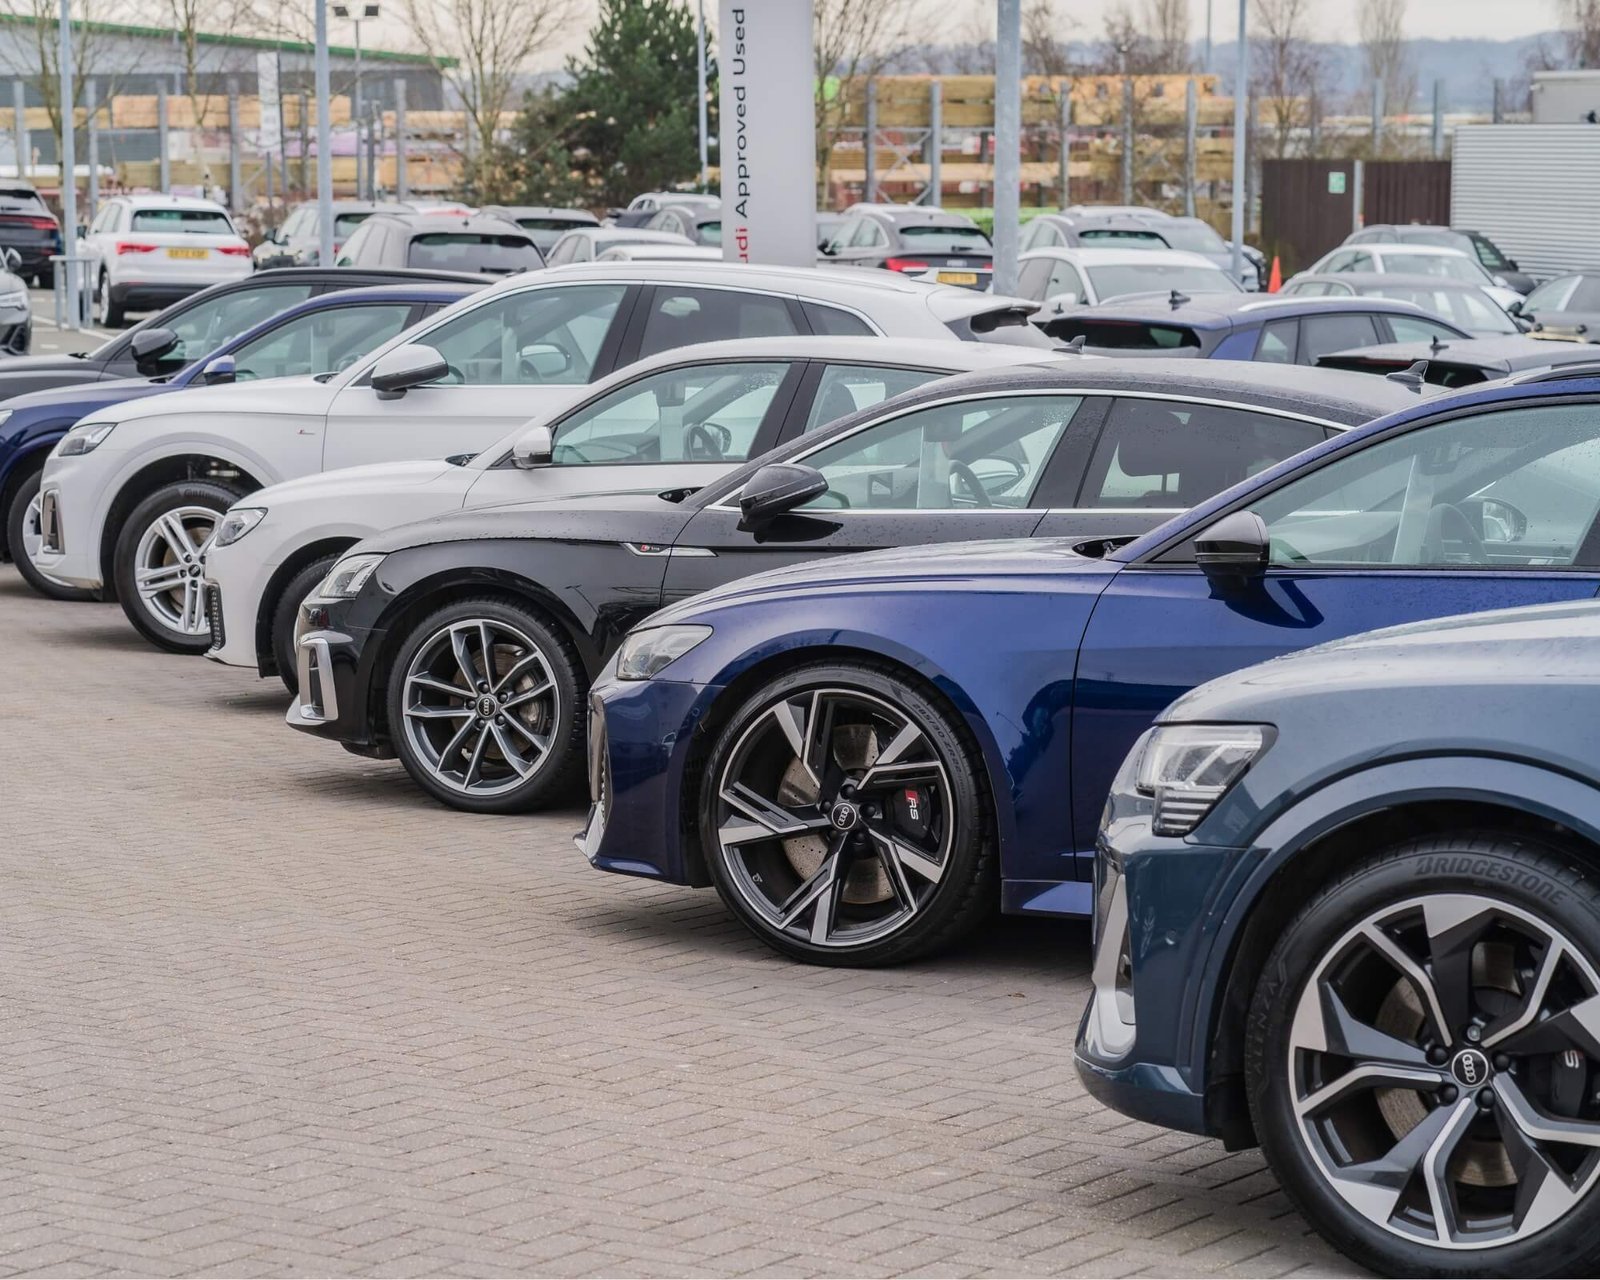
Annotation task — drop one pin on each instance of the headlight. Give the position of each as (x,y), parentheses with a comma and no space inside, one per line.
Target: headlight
(646,652)
(86,437)
(238,522)
(16,298)
(1186,768)
(347,577)
(5,415)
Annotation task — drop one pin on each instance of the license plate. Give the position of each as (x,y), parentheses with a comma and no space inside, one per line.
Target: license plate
(186,253)
(958,277)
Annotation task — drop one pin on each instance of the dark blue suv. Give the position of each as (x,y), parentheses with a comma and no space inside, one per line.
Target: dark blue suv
(867,755)
(1349,909)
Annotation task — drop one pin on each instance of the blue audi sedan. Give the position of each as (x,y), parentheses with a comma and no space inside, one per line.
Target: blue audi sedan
(866,756)
(1349,910)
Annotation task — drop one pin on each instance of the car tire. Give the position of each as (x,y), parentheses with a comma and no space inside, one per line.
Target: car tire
(285,614)
(22,540)
(905,868)
(107,311)
(164,540)
(526,754)
(1374,1161)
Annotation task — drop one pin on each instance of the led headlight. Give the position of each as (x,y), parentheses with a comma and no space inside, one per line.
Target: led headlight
(238,522)
(86,437)
(16,298)
(646,652)
(1186,768)
(348,576)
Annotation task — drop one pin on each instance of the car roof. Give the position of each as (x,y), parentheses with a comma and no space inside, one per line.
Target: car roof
(579,217)
(1508,353)
(914,215)
(401,275)
(435,222)
(1427,250)
(423,291)
(1389,280)
(1231,310)
(639,235)
(931,353)
(652,251)
(1085,256)
(156,200)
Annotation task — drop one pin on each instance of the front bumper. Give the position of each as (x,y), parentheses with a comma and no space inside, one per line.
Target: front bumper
(239,582)
(69,495)
(335,666)
(642,820)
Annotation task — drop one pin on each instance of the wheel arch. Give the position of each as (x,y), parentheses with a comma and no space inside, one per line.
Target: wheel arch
(28,459)
(280,579)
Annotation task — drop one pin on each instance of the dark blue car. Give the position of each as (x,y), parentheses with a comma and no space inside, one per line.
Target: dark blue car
(1349,910)
(295,340)
(865,756)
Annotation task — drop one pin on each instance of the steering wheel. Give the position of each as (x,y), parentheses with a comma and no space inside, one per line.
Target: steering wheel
(707,442)
(1433,538)
(970,482)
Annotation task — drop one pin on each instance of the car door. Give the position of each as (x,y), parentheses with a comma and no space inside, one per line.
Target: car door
(328,340)
(508,356)
(1485,510)
(956,470)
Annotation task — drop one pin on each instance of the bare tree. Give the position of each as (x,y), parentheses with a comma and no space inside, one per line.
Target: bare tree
(35,55)
(1152,40)
(1167,22)
(1287,68)
(1045,51)
(1387,60)
(852,41)
(189,19)
(1580,32)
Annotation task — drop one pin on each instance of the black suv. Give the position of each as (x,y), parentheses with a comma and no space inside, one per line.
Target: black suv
(914,240)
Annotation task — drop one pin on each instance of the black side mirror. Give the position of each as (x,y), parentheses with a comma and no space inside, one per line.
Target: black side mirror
(414,365)
(1236,547)
(149,346)
(776,488)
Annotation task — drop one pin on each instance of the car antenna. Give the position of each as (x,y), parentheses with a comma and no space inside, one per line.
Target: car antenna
(1436,346)
(1176,299)
(1414,377)
(1075,346)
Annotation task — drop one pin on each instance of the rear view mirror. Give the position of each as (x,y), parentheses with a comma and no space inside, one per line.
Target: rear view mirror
(1234,547)
(149,346)
(776,488)
(545,360)
(412,365)
(223,369)
(535,449)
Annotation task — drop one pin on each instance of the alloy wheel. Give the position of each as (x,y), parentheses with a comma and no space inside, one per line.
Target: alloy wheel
(1440,1067)
(834,817)
(169,567)
(482,706)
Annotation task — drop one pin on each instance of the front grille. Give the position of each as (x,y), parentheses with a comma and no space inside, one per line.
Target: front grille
(50,521)
(214,615)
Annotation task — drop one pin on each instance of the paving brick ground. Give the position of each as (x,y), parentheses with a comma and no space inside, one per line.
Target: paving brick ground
(268,1011)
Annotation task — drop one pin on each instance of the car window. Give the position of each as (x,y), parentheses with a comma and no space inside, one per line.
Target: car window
(1338,261)
(321,341)
(1032,277)
(1277,342)
(847,388)
(707,413)
(1064,278)
(1552,295)
(345,223)
(1489,255)
(209,323)
(1586,297)
(1510,488)
(868,235)
(1320,335)
(103,219)
(920,239)
(356,245)
(1167,454)
(832,320)
(473,251)
(1158,277)
(191,222)
(1470,308)
(1418,329)
(1449,265)
(680,316)
(561,252)
(538,336)
(986,453)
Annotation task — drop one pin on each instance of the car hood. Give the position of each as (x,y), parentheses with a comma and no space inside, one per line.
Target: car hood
(1022,564)
(90,395)
(381,477)
(34,365)
(602,517)
(1538,646)
(277,395)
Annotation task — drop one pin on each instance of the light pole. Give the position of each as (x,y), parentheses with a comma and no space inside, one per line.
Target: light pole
(1241,98)
(700,51)
(324,141)
(1007,143)
(355,17)
(69,174)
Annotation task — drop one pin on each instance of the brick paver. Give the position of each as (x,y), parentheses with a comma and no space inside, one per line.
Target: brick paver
(267,1010)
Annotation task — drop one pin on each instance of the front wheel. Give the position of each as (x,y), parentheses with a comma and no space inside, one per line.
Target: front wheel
(160,563)
(285,615)
(485,707)
(1423,1060)
(25,538)
(845,821)
(109,311)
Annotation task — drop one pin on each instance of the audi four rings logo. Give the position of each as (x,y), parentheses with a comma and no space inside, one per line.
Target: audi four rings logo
(843,815)
(1470,1067)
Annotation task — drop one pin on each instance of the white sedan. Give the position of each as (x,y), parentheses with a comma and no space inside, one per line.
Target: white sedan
(132,495)
(1061,278)
(149,251)
(674,421)
(1414,260)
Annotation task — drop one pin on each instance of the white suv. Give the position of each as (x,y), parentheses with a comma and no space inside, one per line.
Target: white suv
(132,495)
(149,251)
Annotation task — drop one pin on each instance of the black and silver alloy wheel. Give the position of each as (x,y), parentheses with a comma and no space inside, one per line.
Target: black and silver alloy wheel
(843,823)
(1438,1076)
(483,702)
(160,563)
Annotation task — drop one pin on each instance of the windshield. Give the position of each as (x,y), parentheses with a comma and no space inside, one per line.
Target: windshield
(945,239)
(1489,255)
(1195,237)
(710,232)
(552,224)
(1553,295)
(1124,239)
(1472,309)
(1158,277)
(1449,265)
(191,222)
(474,251)
(19,198)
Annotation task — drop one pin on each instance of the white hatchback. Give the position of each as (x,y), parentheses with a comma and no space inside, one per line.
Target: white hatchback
(1412,260)
(146,252)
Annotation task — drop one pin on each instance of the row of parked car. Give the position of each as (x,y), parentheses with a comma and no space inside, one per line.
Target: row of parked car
(859,599)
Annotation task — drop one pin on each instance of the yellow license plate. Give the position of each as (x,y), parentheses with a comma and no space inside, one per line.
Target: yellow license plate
(186,253)
(957,277)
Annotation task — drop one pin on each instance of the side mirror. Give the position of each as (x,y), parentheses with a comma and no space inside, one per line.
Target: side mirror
(1059,302)
(149,346)
(13,259)
(223,369)
(545,359)
(1514,307)
(776,488)
(535,449)
(412,365)
(1235,547)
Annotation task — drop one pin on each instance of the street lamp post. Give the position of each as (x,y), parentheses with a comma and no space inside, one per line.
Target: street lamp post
(324,141)
(69,174)
(1241,103)
(700,57)
(356,16)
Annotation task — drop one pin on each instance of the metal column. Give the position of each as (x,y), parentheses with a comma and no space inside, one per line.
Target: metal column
(1377,116)
(374,134)
(92,103)
(402,185)
(700,78)
(1498,113)
(1438,119)
(1007,143)
(69,171)
(165,153)
(1127,139)
(19,119)
(1191,125)
(1241,114)
(869,144)
(305,144)
(935,193)
(1358,195)
(235,159)
(1065,146)
(324,139)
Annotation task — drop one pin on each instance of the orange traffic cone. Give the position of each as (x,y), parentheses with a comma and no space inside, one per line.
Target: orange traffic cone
(1275,280)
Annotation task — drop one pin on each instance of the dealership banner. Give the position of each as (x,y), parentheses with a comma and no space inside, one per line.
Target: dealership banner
(270,137)
(767,134)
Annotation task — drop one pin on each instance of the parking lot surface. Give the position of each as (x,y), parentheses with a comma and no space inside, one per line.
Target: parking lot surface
(267,1010)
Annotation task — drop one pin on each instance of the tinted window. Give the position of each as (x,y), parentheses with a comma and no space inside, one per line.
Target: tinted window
(473,251)
(1413,329)
(1456,493)
(1448,265)
(1123,239)
(944,239)
(213,321)
(1166,454)
(678,317)
(322,341)
(705,414)
(832,320)
(540,336)
(1321,334)
(1158,277)
(1130,335)
(1277,342)
(1470,308)
(933,458)
(20,198)
(345,223)
(1488,255)
(1552,295)
(208,222)
(846,388)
